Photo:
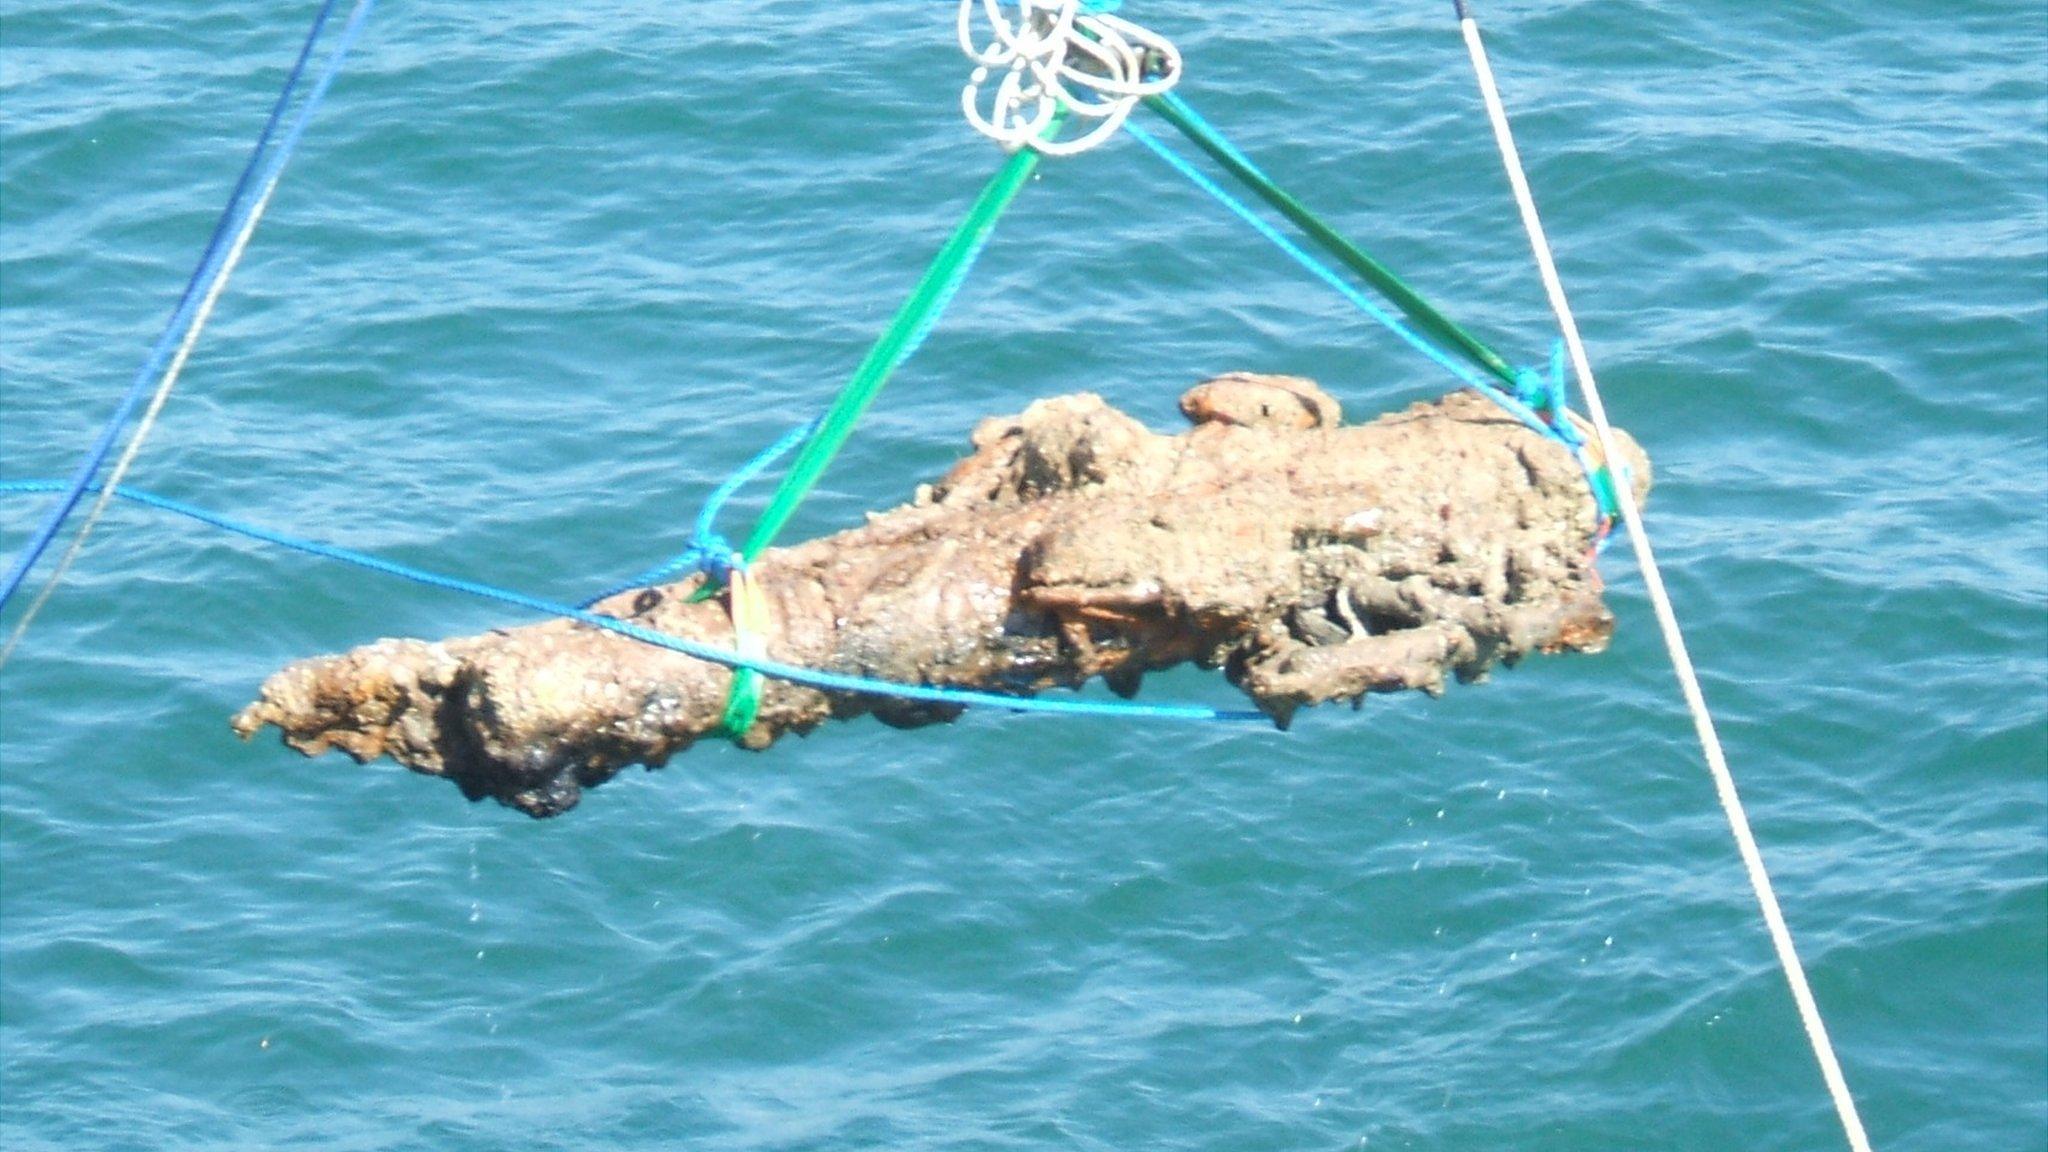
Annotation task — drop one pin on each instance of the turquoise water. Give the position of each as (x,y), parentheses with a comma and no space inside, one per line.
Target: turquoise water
(542,274)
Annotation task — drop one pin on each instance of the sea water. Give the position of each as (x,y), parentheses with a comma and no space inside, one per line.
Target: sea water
(542,274)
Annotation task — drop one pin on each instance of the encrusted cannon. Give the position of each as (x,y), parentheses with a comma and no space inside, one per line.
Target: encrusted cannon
(1308,560)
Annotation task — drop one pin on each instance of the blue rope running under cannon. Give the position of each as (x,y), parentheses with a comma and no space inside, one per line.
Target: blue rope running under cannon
(809,677)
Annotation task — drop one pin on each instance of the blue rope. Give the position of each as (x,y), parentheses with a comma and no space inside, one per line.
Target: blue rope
(1185,109)
(1303,257)
(1535,393)
(196,288)
(811,678)
(947,293)
(710,552)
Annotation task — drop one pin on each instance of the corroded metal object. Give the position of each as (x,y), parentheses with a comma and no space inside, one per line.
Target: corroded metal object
(1307,560)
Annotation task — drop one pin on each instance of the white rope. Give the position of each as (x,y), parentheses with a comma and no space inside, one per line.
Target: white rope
(1057,59)
(1667,619)
(149,416)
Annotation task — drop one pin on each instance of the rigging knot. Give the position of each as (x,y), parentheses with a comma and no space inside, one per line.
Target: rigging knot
(1058,58)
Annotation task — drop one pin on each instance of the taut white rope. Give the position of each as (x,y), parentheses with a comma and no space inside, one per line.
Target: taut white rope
(1056,58)
(148,421)
(1660,601)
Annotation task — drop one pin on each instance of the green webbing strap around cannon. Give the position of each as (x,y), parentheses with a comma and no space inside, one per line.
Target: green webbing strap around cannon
(912,322)
(1177,113)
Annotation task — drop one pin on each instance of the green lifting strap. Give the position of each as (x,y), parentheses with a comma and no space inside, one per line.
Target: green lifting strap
(941,281)
(742,704)
(1177,113)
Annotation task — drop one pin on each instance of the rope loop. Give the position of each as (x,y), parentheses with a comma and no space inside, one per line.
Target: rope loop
(1540,401)
(1533,388)
(708,551)
(715,558)
(1546,393)
(1058,56)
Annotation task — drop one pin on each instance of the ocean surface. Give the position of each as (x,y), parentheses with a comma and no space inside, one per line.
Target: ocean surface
(543,273)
